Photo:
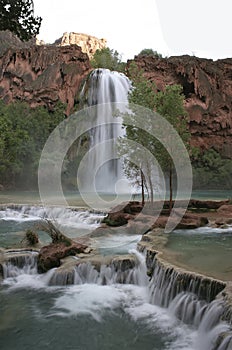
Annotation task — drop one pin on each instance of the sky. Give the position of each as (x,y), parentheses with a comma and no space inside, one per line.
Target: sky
(201,28)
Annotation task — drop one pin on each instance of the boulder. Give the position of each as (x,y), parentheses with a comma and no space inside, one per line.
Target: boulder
(225,209)
(50,256)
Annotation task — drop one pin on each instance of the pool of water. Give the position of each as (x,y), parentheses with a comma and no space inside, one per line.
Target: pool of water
(34,316)
(205,250)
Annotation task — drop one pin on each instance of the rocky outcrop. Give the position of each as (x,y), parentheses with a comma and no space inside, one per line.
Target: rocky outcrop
(88,43)
(50,256)
(43,75)
(207,86)
(10,41)
(138,220)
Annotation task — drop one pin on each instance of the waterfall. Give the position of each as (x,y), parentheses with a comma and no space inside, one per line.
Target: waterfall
(105,89)
(191,298)
(20,263)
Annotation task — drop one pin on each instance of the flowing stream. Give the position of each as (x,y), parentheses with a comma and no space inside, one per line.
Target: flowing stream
(108,307)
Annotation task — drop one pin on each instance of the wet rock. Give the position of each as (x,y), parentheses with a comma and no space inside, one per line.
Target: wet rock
(116,219)
(225,209)
(50,256)
(206,204)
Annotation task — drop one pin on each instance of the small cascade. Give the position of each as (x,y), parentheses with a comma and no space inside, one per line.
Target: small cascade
(129,269)
(226,342)
(105,89)
(71,216)
(191,298)
(167,288)
(20,263)
(167,282)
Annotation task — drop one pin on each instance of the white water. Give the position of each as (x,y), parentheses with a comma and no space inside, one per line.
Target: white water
(105,89)
(61,215)
(182,320)
(109,289)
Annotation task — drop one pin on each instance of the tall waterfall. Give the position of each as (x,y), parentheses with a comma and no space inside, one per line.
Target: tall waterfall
(105,89)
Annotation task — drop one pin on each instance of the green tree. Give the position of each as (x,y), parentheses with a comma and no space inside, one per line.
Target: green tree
(211,171)
(142,94)
(24,132)
(18,17)
(107,58)
(150,52)
(170,105)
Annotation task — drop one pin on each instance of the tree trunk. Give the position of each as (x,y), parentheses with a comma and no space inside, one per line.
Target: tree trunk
(170,188)
(151,189)
(142,185)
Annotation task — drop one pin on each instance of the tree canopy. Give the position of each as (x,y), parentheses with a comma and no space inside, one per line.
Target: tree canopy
(24,132)
(18,17)
(150,52)
(109,59)
(170,105)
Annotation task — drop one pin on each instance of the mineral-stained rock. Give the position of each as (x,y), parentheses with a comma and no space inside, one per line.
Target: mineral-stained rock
(50,256)
(207,86)
(43,75)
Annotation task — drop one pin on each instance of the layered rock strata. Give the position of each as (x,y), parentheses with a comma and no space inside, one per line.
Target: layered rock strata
(207,86)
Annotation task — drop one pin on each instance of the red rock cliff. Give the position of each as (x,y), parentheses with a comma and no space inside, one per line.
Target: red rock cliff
(207,86)
(43,75)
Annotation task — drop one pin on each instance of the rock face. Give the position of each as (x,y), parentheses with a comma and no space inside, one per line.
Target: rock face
(207,86)
(10,41)
(43,75)
(89,44)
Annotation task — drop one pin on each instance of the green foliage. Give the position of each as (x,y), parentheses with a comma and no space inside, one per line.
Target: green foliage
(211,171)
(24,132)
(18,17)
(32,237)
(142,95)
(144,91)
(170,105)
(109,59)
(150,52)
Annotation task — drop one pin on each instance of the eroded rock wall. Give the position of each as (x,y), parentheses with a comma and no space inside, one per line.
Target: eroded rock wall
(43,75)
(207,86)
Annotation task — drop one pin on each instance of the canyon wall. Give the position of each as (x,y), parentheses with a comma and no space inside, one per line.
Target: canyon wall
(207,86)
(42,75)
(45,74)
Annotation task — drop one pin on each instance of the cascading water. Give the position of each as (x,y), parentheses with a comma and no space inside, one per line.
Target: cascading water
(123,284)
(105,89)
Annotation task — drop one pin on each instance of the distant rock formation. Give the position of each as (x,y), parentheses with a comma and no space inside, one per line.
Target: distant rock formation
(89,44)
(207,86)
